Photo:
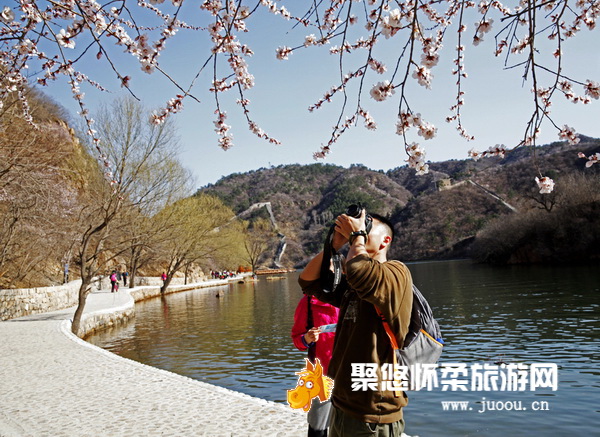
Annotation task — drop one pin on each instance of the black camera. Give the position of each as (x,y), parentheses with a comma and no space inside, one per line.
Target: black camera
(330,256)
(355,211)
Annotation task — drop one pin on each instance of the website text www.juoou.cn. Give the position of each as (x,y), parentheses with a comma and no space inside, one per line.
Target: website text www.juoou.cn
(491,405)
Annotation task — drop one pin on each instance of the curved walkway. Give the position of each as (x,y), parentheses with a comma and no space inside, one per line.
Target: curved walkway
(54,384)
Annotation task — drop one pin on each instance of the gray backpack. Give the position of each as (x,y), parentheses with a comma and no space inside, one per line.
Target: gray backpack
(423,343)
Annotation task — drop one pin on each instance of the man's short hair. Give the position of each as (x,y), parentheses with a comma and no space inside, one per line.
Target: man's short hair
(385,221)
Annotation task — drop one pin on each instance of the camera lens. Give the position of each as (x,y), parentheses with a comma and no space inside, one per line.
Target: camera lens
(354,211)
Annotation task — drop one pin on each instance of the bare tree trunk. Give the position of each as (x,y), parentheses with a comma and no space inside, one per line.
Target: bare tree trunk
(133,266)
(132,277)
(165,285)
(84,290)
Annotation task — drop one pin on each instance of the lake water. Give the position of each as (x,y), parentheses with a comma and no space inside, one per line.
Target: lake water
(513,315)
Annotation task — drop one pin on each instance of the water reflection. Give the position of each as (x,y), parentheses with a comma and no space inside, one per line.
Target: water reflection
(510,314)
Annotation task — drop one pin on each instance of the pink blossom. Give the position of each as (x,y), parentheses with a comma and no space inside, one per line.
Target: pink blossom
(423,76)
(213,6)
(377,66)
(569,134)
(497,150)
(485,26)
(402,125)
(429,59)
(27,47)
(592,89)
(592,159)
(222,129)
(369,121)
(176,104)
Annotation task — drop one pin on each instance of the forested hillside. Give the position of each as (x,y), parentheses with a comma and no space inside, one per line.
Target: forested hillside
(65,214)
(436,216)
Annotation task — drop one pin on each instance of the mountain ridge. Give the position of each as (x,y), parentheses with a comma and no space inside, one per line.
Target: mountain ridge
(433,213)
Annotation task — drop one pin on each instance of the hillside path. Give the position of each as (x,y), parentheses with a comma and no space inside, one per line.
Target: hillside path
(54,384)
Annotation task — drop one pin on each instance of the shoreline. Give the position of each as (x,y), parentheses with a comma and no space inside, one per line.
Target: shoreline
(56,383)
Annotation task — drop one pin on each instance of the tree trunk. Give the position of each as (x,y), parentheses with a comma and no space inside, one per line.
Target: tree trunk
(84,290)
(166,283)
(132,274)
(134,262)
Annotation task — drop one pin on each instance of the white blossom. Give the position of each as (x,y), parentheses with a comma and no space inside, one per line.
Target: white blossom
(416,159)
(423,76)
(592,89)
(569,134)
(427,131)
(7,15)
(310,40)
(592,159)
(377,66)
(475,155)
(382,91)
(545,184)
(64,39)
(283,53)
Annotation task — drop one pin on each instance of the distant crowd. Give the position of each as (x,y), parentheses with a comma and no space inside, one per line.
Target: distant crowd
(225,274)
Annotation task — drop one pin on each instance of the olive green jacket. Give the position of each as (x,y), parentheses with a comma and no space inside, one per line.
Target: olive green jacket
(360,337)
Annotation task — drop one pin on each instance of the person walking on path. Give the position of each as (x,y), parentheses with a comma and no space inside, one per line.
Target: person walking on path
(114,284)
(370,281)
(310,314)
(125,276)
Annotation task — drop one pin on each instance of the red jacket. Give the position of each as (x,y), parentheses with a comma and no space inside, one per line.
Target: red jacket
(323,314)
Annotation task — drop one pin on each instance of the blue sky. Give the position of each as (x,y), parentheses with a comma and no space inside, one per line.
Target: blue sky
(496,110)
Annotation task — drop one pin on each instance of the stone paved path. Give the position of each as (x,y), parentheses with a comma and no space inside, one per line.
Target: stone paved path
(55,384)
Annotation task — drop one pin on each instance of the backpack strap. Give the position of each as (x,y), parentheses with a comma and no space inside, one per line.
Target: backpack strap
(309,324)
(330,280)
(394,343)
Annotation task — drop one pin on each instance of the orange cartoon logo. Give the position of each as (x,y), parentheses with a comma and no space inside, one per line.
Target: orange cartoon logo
(312,383)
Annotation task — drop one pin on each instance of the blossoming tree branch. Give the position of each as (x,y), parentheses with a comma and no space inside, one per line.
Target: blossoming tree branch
(44,41)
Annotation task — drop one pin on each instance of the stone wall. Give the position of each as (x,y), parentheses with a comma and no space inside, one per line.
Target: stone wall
(21,302)
(91,323)
(25,301)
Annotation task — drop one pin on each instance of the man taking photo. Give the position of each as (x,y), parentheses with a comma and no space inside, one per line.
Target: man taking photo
(370,281)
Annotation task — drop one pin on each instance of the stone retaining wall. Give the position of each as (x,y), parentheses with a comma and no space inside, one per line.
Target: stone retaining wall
(91,323)
(21,302)
(25,301)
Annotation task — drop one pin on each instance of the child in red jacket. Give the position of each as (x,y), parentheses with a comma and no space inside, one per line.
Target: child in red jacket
(310,314)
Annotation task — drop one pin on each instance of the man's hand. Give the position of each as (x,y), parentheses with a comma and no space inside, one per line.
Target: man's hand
(338,240)
(345,224)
